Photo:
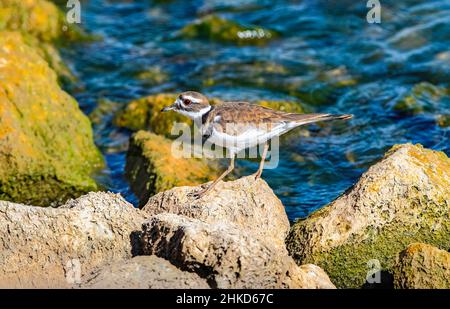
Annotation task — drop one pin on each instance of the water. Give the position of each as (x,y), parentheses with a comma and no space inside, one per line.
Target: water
(327,57)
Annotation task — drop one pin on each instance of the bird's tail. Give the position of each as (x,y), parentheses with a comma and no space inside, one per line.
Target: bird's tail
(302,119)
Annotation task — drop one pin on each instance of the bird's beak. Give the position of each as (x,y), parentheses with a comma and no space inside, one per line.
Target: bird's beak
(169,108)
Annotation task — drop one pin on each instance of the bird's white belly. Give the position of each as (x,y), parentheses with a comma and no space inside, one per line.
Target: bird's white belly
(248,138)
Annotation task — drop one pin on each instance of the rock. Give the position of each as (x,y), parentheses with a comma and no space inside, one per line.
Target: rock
(443,120)
(421,266)
(423,97)
(103,111)
(255,73)
(42,24)
(226,256)
(247,205)
(216,28)
(402,199)
(146,113)
(143,272)
(40,247)
(151,167)
(47,152)
(39,18)
(153,76)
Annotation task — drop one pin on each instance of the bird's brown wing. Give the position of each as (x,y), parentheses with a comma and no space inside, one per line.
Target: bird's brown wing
(235,118)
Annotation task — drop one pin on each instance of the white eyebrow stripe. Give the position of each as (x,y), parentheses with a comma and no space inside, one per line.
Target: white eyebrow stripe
(195,100)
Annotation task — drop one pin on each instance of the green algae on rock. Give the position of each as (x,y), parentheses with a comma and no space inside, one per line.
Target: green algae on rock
(152,76)
(47,151)
(215,28)
(424,97)
(404,198)
(151,166)
(421,266)
(145,113)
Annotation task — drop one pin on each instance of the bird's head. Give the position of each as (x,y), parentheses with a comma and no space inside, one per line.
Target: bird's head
(191,104)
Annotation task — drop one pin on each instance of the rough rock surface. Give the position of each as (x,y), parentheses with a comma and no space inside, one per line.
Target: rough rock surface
(249,205)
(47,152)
(143,272)
(421,266)
(152,168)
(404,198)
(40,246)
(226,256)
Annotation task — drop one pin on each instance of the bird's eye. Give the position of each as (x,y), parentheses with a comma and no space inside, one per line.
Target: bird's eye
(187,102)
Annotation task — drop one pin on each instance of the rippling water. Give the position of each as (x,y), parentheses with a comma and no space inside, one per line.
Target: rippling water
(327,57)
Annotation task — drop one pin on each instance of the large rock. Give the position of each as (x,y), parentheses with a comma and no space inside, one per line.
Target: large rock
(47,153)
(151,166)
(421,266)
(143,272)
(404,198)
(247,204)
(41,247)
(228,257)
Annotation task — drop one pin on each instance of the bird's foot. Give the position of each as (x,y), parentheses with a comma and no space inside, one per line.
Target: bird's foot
(198,195)
(257,175)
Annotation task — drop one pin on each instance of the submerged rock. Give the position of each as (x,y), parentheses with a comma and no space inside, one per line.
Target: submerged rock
(226,256)
(153,76)
(443,120)
(215,28)
(143,272)
(421,266)
(54,247)
(245,203)
(402,199)
(423,97)
(151,166)
(47,153)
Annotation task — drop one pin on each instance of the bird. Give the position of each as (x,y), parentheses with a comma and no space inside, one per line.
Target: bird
(238,125)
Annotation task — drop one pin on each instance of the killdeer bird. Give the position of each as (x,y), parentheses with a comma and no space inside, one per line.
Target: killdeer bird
(240,125)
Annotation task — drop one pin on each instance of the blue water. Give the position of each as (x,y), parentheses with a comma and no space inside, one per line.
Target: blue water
(320,44)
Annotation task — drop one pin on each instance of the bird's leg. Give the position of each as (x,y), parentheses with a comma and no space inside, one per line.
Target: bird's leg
(211,186)
(261,164)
